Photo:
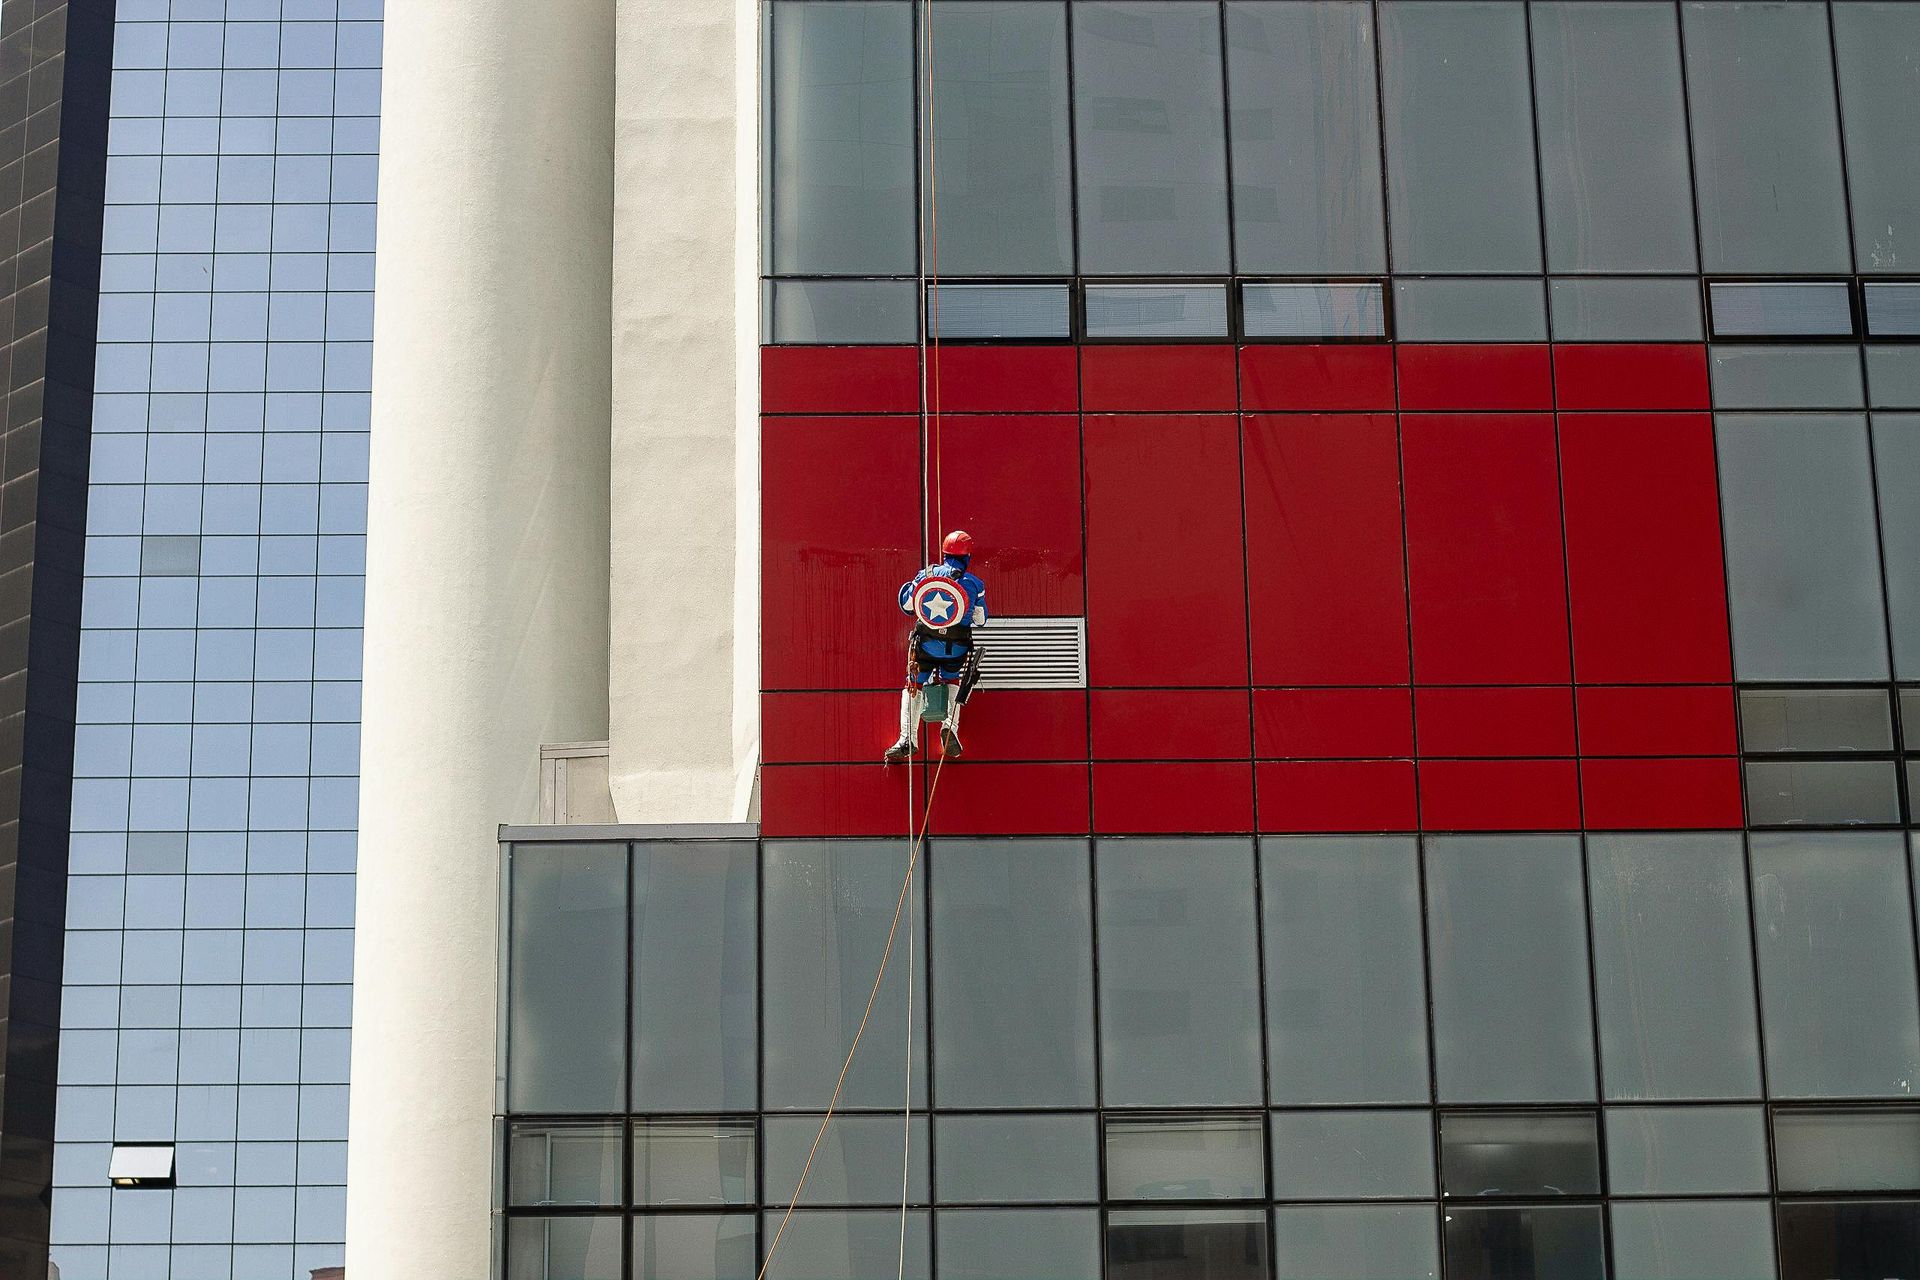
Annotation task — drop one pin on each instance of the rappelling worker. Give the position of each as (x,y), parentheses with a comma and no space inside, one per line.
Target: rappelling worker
(946,602)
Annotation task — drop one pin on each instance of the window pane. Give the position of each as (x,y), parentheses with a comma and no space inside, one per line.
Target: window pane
(566,986)
(1894,374)
(1001,311)
(692,1162)
(1781,377)
(693,1246)
(1152,164)
(840,123)
(840,311)
(1156,311)
(847,1244)
(693,985)
(1009,1159)
(1803,570)
(1624,310)
(1820,720)
(1686,1150)
(1187,1244)
(1179,982)
(1821,793)
(1848,1239)
(1313,311)
(1507,941)
(1847,1150)
(1893,310)
(563,1162)
(1459,125)
(1613,137)
(1000,138)
(563,1248)
(1306,138)
(1673,967)
(1019,1244)
(1519,1154)
(1896,455)
(858,1161)
(1469,311)
(1534,1242)
(1686,1240)
(1185,1158)
(1346,999)
(1355,1242)
(1013,973)
(1879,99)
(1352,1155)
(1814,308)
(1836,964)
(1766,143)
(827,906)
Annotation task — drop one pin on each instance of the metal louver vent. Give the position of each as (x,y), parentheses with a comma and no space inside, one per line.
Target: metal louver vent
(1033,653)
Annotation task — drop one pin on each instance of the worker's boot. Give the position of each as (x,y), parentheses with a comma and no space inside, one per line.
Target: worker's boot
(909,726)
(950,730)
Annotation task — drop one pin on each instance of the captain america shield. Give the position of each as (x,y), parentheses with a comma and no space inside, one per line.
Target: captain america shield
(939,603)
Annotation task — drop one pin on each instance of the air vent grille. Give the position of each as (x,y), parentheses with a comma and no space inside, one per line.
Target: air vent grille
(1033,653)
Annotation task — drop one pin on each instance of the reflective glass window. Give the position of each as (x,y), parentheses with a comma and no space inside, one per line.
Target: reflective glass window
(849,1244)
(1019,1244)
(693,1162)
(1332,310)
(563,1163)
(1807,308)
(583,1248)
(828,311)
(1355,1242)
(1847,1150)
(1848,1239)
(1519,1153)
(693,986)
(1893,374)
(694,1246)
(1007,1159)
(1001,311)
(1185,1157)
(1786,377)
(1815,720)
(1352,1155)
(1469,311)
(1150,132)
(1686,1150)
(1533,1242)
(1306,138)
(1879,94)
(1201,1244)
(1156,310)
(857,1161)
(1896,455)
(1688,1239)
(1893,310)
(1822,793)
(1603,310)
(566,978)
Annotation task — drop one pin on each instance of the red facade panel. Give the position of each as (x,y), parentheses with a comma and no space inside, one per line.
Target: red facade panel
(1158,379)
(1169,724)
(1484,549)
(1328,586)
(1189,797)
(1166,600)
(984,798)
(1475,377)
(1657,720)
(1321,724)
(1631,376)
(1006,379)
(1643,548)
(1512,721)
(1338,378)
(1313,796)
(823,728)
(1021,724)
(1499,795)
(839,380)
(1661,794)
(1014,483)
(837,800)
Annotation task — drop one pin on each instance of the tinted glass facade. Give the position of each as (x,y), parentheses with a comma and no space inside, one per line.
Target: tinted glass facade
(210,909)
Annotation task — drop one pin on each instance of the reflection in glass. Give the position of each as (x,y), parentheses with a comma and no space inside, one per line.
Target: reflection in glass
(1690,1239)
(1817,720)
(848,1244)
(693,1246)
(1331,310)
(1847,1150)
(1019,1244)
(689,1162)
(857,1161)
(1848,1239)
(693,987)
(1156,310)
(1191,1157)
(1355,1242)
(1187,1244)
(1006,1159)
(563,1162)
(1822,793)
(566,978)
(1519,1154)
(1686,1151)
(1524,1242)
(586,1248)
(1352,1155)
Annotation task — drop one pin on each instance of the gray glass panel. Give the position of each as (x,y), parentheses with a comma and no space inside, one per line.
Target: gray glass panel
(1469,311)
(1507,944)
(1836,964)
(1821,793)
(840,124)
(1346,998)
(1893,310)
(1879,99)
(563,1162)
(858,1161)
(1355,1242)
(1179,978)
(566,978)
(1306,138)
(1164,1244)
(1150,125)
(694,980)
(847,1244)
(1801,309)
(692,1162)
(1848,1239)
(1893,375)
(827,906)
(1765,140)
(1461,194)
(1693,1240)
(1670,1151)
(1352,1155)
(1538,1242)
(1910,718)
(1001,311)
(170,555)
(1673,967)
(1540,1153)
(1019,1244)
(1803,573)
(818,311)
(1009,1159)
(1313,311)
(1896,456)
(1624,310)
(1000,153)
(563,1248)
(1815,720)
(1847,1150)
(693,1246)
(1778,377)
(1185,1157)
(1156,311)
(1613,137)
(1013,973)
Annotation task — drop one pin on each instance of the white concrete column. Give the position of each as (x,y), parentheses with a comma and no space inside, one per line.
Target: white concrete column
(684,692)
(487,569)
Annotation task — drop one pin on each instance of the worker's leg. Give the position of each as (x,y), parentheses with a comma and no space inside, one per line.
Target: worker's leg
(910,700)
(950,728)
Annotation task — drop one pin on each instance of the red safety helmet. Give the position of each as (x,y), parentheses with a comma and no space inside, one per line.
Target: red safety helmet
(957,543)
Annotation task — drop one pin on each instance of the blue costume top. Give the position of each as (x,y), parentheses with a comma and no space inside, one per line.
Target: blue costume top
(943,652)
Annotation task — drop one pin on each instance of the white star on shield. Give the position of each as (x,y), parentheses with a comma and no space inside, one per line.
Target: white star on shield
(938,608)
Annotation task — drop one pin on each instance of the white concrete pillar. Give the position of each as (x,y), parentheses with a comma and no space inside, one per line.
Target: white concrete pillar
(487,569)
(684,693)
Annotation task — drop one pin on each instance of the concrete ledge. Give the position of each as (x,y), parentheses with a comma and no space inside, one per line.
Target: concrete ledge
(631,831)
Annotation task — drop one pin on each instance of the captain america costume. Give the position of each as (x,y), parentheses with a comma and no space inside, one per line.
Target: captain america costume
(946,601)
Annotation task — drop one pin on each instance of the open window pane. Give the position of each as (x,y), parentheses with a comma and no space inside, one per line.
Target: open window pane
(1190,1157)
(1001,311)
(563,1163)
(1800,309)
(1541,1153)
(1156,310)
(1187,1244)
(567,978)
(694,956)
